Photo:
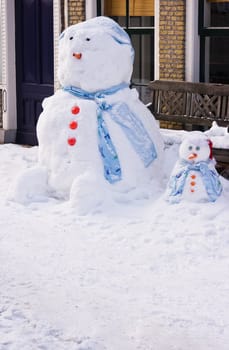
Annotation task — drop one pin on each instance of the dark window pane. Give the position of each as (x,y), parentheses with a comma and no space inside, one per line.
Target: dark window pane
(143,63)
(218,60)
(220,14)
(214,41)
(141,21)
(217,14)
(143,70)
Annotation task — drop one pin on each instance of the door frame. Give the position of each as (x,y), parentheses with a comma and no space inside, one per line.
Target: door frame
(192,48)
(34,64)
(8,86)
(8,133)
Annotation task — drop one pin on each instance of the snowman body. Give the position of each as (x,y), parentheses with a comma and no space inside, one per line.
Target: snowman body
(67,152)
(194,189)
(194,177)
(95,67)
(68,144)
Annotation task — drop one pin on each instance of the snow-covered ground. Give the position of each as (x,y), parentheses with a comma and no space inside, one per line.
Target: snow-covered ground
(149,276)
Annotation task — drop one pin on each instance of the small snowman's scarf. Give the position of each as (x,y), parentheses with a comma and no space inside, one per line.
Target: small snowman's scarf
(130,123)
(209,176)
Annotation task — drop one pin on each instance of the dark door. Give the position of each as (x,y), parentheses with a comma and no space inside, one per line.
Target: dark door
(34,63)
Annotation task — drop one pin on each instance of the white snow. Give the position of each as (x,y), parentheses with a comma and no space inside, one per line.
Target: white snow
(135,273)
(148,276)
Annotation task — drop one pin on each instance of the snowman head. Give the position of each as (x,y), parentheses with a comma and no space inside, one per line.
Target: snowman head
(95,55)
(196,148)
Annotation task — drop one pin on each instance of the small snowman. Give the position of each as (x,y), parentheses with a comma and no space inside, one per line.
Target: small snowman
(194,177)
(95,135)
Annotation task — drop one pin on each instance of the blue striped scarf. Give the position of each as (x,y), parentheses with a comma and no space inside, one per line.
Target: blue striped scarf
(130,124)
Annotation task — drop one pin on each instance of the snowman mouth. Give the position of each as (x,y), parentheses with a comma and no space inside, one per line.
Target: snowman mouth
(77,55)
(192,156)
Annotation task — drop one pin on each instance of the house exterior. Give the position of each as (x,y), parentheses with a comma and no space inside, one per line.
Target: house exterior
(173,39)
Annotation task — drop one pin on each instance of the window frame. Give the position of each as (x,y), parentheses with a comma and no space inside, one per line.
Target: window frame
(207,32)
(145,30)
(129,29)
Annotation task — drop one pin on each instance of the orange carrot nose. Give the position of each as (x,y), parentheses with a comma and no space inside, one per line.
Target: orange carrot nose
(77,55)
(192,156)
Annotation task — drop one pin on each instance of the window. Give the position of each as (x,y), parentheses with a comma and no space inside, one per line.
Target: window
(214,41)
(137,18)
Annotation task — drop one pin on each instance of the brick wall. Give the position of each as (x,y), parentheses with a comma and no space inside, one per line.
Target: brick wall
(172,45)
(171,125)
(172,39)
(76,11)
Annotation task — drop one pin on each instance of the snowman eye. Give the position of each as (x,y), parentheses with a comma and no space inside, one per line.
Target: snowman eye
(88,39)
(190,148)
(71,37)
(197,148)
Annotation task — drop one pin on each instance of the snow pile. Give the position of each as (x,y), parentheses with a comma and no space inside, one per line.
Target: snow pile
(143,275)
(219,136)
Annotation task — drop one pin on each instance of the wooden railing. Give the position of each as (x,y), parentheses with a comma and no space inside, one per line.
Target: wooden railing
(194,105)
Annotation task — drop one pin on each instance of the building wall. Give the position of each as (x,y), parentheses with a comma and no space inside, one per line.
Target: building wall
(76,11)
(172,39)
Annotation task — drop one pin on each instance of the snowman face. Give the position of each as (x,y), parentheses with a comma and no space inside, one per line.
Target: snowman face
(92,59)
(194,150)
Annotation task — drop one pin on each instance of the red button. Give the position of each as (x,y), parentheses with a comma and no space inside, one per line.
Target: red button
(71,141)
(75,109)
(73,125)
(77,55)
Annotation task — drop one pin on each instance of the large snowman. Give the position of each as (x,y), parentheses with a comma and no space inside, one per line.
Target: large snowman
(95,136)
(194,177)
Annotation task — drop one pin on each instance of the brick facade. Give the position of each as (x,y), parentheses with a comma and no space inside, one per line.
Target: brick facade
(172,45)
(172,39)
(76,11)
(171,125)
